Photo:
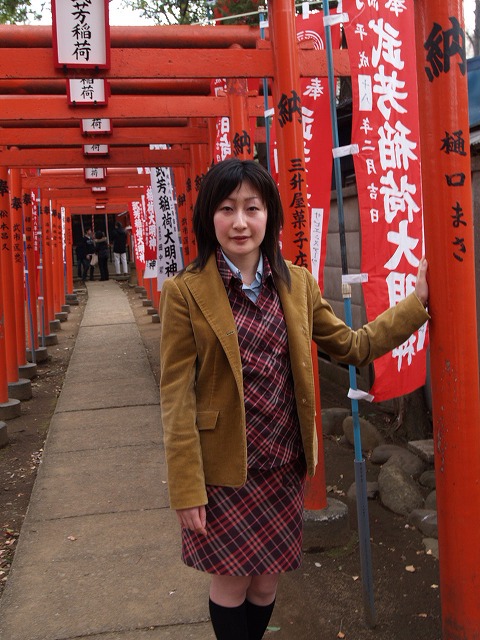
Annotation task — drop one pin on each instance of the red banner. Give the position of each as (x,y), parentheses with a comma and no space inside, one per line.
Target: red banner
(137,215)
(150,225)
(317,136)
(381,46)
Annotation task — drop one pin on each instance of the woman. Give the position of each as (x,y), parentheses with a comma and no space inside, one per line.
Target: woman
(237,392)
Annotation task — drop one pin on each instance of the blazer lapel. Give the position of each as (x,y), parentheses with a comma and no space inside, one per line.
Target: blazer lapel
(209,293)
(295,313)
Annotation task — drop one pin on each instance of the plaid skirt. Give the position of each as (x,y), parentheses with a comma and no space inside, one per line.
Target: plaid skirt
(252,530)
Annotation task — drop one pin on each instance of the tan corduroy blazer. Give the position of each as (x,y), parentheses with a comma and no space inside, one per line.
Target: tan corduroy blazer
(201,387)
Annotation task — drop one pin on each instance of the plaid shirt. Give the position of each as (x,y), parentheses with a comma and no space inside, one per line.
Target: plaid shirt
(273,432)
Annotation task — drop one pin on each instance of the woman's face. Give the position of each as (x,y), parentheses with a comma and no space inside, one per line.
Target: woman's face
(240,222)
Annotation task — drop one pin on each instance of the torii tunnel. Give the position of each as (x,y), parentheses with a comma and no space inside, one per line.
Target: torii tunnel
(159,81)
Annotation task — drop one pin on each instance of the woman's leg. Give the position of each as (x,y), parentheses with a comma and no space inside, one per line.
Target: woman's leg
(242,603)
(227,607)
(260,603)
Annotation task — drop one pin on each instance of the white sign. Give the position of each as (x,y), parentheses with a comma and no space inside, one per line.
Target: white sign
(87,91)
(96,126)
(169,251)
(81,33)
(95,173)
(95,149)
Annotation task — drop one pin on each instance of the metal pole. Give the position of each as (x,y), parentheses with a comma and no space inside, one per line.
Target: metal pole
(360,469)
(261,15)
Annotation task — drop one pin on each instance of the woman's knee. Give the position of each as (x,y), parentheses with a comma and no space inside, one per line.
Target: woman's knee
(262,589)
(229,591)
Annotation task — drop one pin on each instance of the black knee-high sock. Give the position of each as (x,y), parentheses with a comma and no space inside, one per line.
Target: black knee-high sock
(258,619)
(229,623)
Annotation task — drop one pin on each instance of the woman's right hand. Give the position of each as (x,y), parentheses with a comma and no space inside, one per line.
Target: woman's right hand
(194,519)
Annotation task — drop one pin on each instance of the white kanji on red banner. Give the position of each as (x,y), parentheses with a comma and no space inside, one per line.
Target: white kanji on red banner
(386,129)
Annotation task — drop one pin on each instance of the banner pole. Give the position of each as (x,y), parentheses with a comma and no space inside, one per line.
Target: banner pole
(261,15)
(360,469)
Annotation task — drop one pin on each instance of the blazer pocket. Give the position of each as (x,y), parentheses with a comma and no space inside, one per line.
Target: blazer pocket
(207,420)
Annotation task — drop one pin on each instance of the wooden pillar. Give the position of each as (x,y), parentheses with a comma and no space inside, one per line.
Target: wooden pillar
(68,252)
(183,221)
(199,155)
(31,268)
(292,183)
(241,141)
(7,318)
(47,266)
(3,353)
(57,258)
(18,264)
(449,239)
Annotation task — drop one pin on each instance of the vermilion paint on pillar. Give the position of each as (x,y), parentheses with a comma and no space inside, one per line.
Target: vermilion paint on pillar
(18,263)
(183,223)
(4,253)
(68,252)
(200,155)
(449,239)
(31,267)
(7,288)
(242,142)
(49,313)
(293,185)
(3,355)
(56,265)
(61,256)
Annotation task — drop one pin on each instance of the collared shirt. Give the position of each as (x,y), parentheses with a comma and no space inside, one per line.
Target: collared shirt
(252,291)
(273,432)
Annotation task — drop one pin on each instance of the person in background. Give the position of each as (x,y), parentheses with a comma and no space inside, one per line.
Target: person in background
(102,250)
(81,256)
(85,250)
(120,249)
(237,392)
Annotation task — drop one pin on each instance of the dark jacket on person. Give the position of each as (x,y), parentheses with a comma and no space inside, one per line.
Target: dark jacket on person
(119,240)
(85,247)
(101,247)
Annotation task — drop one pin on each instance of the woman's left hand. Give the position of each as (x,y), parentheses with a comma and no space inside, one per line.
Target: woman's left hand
(421,286)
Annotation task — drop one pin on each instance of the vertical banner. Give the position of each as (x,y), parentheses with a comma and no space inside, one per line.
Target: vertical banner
(150,226)
(317,137)
(387,166)
(317,143)
(169,255)
(137,216)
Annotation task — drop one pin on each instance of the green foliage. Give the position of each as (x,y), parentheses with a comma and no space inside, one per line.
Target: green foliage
(194,11)
(17,12)
(171,11)
(238,7)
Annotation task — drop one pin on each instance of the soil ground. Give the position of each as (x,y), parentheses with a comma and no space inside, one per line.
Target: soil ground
(323,599)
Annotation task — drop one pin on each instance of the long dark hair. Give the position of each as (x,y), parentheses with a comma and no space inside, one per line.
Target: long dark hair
(216,186)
